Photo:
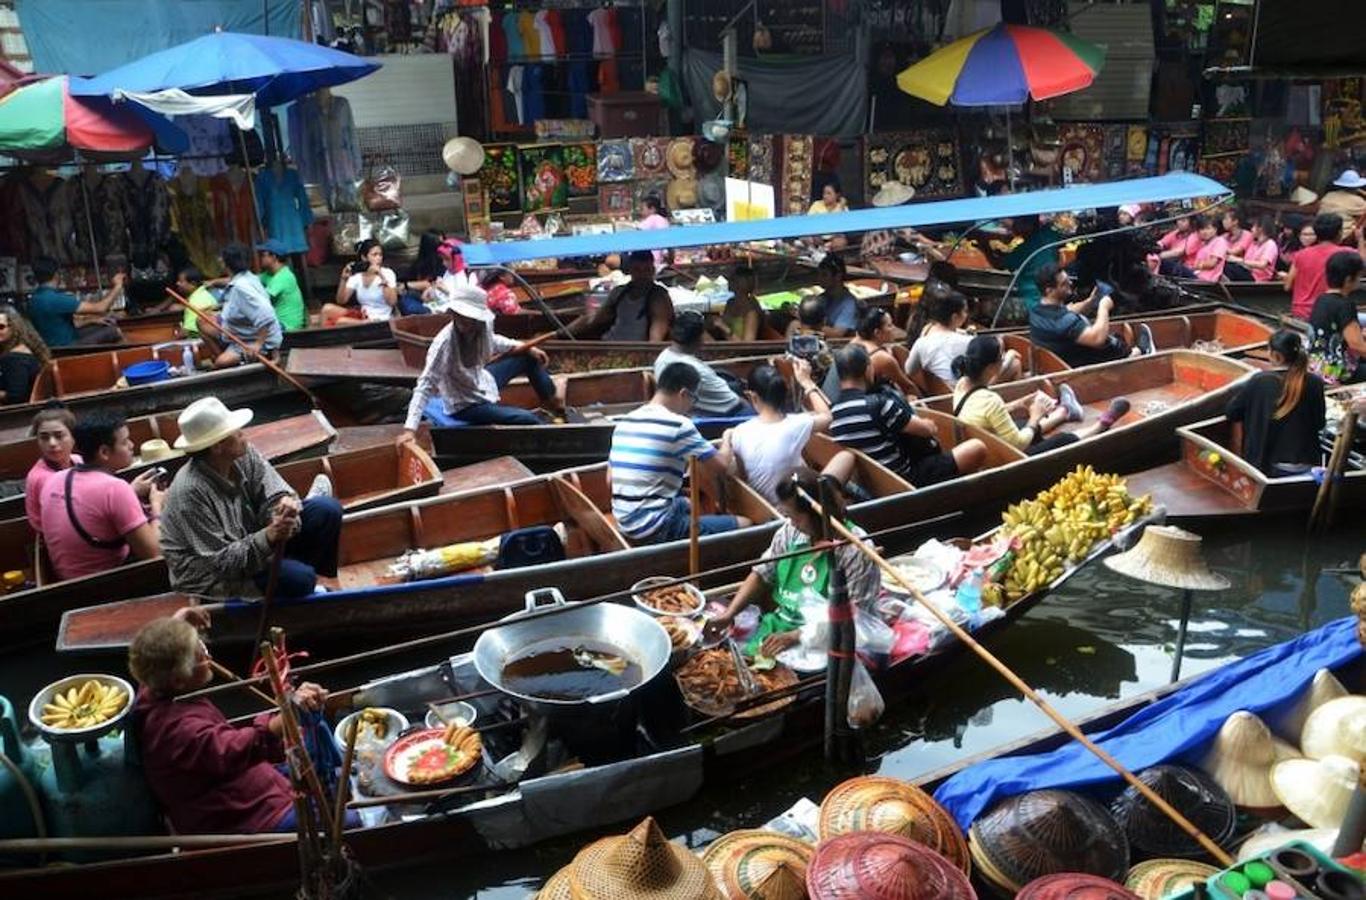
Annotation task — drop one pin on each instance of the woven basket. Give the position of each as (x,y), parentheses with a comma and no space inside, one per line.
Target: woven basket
(1158,878)
(759,865)
(1074,886)
(874,865)
(877,803)
(640,865)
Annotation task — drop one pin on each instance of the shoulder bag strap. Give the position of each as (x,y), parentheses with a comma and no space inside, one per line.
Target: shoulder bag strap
(958,407)
(76,523)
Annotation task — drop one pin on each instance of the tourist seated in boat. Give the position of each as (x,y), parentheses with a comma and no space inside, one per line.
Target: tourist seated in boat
(52,310)
(810,318)
(784,585)
(190,284)
(769,446)
(53,429)
(92,520)
(1180,248)
(651,449)
(1337,347)
(282,285)
(714,397)
(1058,323)
(367,291)
(639,310)
(1278,414)
(228,511)
(883,425)
(1231,244)
(977,404)
(942,339)
(1257,262)
(247,315)
(462,371)
(1209,262)
(208,776)
(1307,278)
(877,335)
(425,271)
(842,309)
(742,317)
(22,356)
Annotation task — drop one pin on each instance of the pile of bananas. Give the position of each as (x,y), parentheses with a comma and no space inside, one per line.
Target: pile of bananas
(1062,524)
(91,704)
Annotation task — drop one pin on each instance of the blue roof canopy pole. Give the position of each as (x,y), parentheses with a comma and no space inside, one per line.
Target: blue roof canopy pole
(1160,189)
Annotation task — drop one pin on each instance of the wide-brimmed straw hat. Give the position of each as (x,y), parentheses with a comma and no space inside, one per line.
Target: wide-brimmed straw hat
(878,803)
(157,450)
(1302,196)
(1192,793)
(1316,791)
(678,158)
(1289,724)
(1337,728)
(1350,179)
(1241,757)
(759,865)
(681,193)
(1046,832)
(1170,557)
(640,864)
(874,865)
(1074,886)
(463,155)
(893,193)
(1155,879)
(468,300)
(207,421)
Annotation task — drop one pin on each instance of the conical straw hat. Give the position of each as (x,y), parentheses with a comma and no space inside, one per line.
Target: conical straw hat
(641,864)
(1337,728)
(1046,832)
(557,888)
(877,803)
(1317,791)
(462,155)
(893,193)
(1290,723)
(759,865)
(1192,793)
(1264,843)
(1170,557)
(874,865)
(1074,886)
(1241,757)
(1159,878)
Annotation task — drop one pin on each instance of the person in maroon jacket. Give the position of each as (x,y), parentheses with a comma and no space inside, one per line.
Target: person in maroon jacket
(208,776)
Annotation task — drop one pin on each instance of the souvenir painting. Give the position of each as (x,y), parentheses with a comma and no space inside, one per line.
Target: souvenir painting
(1083,151)
(544,185)
(615,161)
(1222,169)
(925,160)
(581,169)
(649,187)
(1116,150)
(737,156)
(502,179)
(650,155)
(761,159)
(476,208)
(797,169)
(1180,156)
(1227,136)
(615,199)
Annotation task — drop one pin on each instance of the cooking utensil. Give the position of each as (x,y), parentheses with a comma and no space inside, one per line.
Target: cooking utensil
(746,677)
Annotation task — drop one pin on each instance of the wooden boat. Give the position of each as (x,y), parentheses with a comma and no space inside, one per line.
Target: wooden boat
(368,478)
(1210,479)
(138,331)
(368,600)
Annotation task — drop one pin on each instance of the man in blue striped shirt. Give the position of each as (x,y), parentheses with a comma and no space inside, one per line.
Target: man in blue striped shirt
(651,447)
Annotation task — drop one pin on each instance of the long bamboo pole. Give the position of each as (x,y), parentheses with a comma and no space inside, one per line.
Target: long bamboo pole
(1019,684)
(233,677)
(694,519)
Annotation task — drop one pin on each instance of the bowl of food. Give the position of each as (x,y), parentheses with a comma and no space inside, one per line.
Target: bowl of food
(684,635)
(377,723)
(433,755)
(80,707)
(455,712)
(659,597)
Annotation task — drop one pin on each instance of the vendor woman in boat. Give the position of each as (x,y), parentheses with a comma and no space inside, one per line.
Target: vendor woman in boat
(783,584)
(462,370)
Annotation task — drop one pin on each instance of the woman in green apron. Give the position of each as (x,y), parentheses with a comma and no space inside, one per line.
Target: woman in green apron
(794,582)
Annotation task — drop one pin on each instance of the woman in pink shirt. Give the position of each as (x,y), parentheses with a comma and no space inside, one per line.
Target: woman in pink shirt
(1171,249)
(654,220)
(1258,261)
(1213,251)
(52,428)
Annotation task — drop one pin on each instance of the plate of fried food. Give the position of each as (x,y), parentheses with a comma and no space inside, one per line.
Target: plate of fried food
(711,685)
(433,756)
(658,596)
(684,633)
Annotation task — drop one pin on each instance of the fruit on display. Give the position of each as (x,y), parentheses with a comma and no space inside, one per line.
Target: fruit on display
(90,704)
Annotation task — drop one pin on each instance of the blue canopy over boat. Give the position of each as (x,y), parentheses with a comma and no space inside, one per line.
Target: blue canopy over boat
(1177,728)
(1161,189)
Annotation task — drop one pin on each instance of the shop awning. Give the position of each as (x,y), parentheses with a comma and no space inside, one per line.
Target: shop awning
(1163,188)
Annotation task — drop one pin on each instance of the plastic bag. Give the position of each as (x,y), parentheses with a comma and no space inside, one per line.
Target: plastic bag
(865,701)
(871,635)
(382,189)
(391,229)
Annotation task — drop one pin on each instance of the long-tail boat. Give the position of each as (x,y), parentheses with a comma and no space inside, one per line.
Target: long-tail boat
(369,477)
(138,331)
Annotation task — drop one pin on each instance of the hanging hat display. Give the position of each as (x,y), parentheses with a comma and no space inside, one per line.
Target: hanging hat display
(1290,723)
(893,193)
(877,803)
(1241,757)
(1155,879)
(873,865)
(1044,832)
(463,155)
(1170,557)
(1193,794)
(711,191)
(557,888)
(1337,728)
(707,155)
(678,158)
(721,86)
(640,864)
(759,865)
(681,193)
(1317,791)
(1074,886)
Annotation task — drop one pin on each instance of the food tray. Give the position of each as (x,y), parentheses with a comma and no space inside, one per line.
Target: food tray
(689,676)
(394,766)
(641,588)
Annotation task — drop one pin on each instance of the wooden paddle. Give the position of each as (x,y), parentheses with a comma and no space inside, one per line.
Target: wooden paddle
(1325,503)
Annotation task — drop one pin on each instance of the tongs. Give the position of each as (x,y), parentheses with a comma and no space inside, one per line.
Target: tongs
(742,669)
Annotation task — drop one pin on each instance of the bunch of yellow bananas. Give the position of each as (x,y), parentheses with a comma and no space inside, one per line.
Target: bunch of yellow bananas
(93,703)
(1062,524)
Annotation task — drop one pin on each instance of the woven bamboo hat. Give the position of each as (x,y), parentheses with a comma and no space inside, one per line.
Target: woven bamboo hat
(641,864)
(759,865)
(1317,791)
(678,158)
(874,865)
(1159,878)
(1168,556)
(1192,793)
(1241,757)
(463,155)
(557,888)
(1043,833)
(877,803)
(1074,886)
(893,193)
(1290,723)
(1337,728)
(681,193)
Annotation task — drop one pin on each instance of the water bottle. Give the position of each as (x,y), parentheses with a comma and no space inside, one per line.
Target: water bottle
(187,358)
(969,595)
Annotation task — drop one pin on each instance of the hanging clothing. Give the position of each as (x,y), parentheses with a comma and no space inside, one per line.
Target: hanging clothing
(230,201)
(556,23)
(533,94)
(602,33)
(545,36)
(515,89)
(192,221)
(210,140)
(149,212)
(323,144)
(580,86)
(608,81)
(578,33)
(113,204)
(13,227)
(512,36)
(531,40)
(498,41)
(40,204)
(87,235)
(283,204)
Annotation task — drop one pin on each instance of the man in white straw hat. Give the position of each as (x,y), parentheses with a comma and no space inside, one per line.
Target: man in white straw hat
(1347,198)
(228,509)
(462,371)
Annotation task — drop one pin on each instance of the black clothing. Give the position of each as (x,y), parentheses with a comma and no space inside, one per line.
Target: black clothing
(1056,328)
(17,374)
(1267,440)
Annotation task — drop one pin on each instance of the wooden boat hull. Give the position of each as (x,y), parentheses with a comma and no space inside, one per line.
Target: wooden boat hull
(371,477)
(361,334)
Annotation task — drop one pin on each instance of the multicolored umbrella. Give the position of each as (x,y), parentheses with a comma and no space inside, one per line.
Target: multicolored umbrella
(1004,65)
(44,117)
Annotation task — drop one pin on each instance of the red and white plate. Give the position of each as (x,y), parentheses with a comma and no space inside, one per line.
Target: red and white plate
(423,758)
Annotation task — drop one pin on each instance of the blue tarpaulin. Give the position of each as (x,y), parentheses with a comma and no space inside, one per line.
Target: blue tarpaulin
(1177,728)
(1163,188)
